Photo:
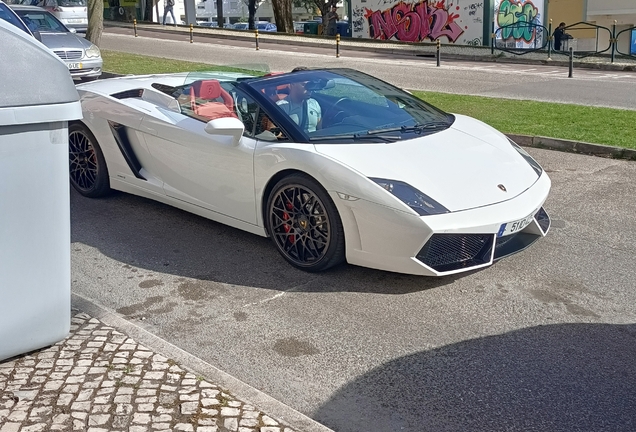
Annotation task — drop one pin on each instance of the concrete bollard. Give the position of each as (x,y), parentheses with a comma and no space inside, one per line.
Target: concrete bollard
(191,28)
(256,38)
(135,26)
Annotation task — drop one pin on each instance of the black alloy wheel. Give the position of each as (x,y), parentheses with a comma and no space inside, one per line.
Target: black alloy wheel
(304,224)
(87,166)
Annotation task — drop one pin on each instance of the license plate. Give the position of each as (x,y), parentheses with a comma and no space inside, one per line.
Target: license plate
(75,21)
(74,65)
(516,226)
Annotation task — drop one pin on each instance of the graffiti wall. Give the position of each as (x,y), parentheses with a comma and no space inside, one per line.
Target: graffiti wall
(454,21)
(511,12)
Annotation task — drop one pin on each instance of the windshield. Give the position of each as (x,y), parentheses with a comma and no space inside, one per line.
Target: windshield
(341,103)
(41,21)
(8,16)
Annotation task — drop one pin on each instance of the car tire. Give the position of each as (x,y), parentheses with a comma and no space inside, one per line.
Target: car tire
(87,167)
(304,224)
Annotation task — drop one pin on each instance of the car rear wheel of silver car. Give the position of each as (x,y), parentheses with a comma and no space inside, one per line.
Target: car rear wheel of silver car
(87,166)
(304,224)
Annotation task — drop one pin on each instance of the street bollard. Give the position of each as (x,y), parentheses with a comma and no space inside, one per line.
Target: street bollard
(550,40)
(571,70)
(135,26)
(438,55)
(338,45)
(493,39)
(614,41)
(256,38)
(191,27)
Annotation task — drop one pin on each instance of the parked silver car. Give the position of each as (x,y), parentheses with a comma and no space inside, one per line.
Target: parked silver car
(83,58)
(72,13)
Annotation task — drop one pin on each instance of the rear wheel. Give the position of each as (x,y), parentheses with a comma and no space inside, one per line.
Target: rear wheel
(87,166)
(304,224)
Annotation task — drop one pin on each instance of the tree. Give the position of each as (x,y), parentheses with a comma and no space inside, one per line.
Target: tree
(283,15)
(149,5)
(323,6)
(252,6)
(95,21)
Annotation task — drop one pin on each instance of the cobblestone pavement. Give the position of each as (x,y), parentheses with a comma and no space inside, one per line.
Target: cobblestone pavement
(99,380)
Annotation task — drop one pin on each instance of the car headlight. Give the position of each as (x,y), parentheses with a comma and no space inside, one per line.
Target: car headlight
(533,163)
(412,197)
(93,52)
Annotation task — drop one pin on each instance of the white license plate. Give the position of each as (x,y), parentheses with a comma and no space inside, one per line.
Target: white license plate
(74,65)
(515,226)
(74,21)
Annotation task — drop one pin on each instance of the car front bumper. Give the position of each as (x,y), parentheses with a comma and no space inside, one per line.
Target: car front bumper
(89,68)
(392,240)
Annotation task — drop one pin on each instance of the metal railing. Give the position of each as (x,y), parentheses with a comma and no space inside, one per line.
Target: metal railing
(523,38)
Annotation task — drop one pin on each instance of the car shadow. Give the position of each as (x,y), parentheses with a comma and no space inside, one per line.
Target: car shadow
(157,237)
(565,377)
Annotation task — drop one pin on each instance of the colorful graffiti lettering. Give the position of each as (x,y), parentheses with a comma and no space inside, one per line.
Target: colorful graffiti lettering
(414,22)
(517,11)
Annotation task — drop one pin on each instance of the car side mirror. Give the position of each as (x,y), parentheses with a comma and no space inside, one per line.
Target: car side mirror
(226,126)
(72,30)
(36,34)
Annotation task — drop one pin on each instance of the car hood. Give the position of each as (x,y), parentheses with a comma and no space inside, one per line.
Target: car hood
(460,167)
(56,41)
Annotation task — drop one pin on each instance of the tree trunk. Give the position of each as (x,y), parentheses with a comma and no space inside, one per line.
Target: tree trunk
(95,21)
(150,4)
(219,13)
(251,10)
(283,15)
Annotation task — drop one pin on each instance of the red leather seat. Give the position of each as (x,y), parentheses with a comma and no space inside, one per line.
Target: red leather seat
(209,91)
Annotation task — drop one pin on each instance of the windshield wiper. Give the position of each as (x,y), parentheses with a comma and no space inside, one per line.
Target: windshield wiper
(357,137)
(416,128)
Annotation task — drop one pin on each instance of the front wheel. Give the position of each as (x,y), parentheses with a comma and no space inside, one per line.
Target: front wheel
(304,224)
(87,166)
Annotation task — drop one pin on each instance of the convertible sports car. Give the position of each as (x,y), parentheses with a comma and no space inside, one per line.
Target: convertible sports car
(332,164)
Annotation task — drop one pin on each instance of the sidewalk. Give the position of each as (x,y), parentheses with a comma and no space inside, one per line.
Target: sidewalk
(448,51)
(99,379)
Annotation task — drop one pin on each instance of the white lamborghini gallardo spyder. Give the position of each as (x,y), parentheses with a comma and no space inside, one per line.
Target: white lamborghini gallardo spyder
(334,165)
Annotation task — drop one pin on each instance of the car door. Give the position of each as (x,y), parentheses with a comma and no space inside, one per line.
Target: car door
(210,171)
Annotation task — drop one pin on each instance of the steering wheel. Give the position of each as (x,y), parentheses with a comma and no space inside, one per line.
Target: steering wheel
(336,114)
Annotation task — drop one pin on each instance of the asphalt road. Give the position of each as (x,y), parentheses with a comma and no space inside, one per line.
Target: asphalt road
(544,83)
(542,341)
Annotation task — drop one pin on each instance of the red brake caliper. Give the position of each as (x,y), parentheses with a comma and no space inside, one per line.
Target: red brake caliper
(287,227)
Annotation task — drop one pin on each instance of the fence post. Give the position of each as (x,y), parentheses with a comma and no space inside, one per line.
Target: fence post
(614,41)
(135,26)
(550,40)
(338,45)
(438,54)
(191,28)
(571,65)
(256,38)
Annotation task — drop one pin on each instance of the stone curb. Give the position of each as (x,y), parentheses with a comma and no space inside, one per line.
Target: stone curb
(599,150)
(306,40)
(241,390)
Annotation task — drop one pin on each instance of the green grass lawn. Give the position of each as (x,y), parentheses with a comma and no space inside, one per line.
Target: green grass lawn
(124,63)
(575,122)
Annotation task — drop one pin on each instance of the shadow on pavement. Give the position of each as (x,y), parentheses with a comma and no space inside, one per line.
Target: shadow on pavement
(143,233)
(567,377)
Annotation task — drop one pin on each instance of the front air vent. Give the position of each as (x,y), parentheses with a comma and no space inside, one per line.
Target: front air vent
(448,252)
